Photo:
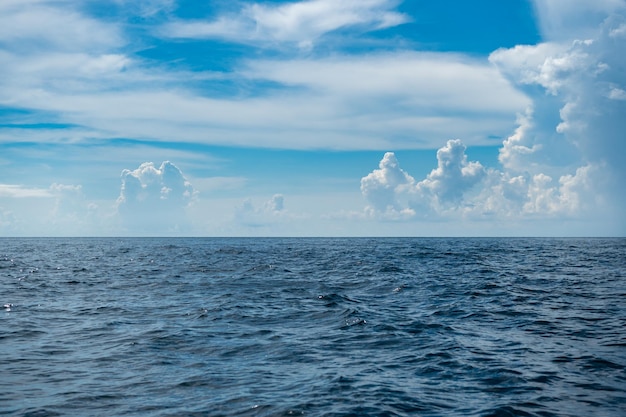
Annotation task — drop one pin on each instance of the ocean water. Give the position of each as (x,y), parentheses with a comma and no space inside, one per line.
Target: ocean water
(314,327)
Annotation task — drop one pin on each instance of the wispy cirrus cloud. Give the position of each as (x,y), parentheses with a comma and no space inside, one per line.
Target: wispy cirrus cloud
(399,99)
(39,25)
(301,23)
(20,191)
(396,99)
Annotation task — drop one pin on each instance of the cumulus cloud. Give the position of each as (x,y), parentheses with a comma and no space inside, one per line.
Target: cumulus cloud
(453,176)
(385,188)
(392,193)
(564,160)
(153,200)
(270,212)
(276,204)
(461,189)
(302,22)
(577,116)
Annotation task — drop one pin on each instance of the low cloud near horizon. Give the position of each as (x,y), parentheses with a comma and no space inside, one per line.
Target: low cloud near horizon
(153,200)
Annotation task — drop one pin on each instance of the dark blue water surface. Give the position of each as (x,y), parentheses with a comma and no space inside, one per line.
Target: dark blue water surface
(319,327)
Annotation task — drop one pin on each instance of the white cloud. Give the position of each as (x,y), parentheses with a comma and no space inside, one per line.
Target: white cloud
(459,189)
(69,198)
(407,100)
(411,81)
(617,93)
(72,213)
(394,194)
(276,204)
(453,176)
(572,196)
(147,8)
(222,27)
(563,161)
(619,31)
(35,26)
(19,191)
(385,187)
(270,213)
(30,80)
(517,148)
(153,200)
(574,19)
(579,125)
(60,210)
(582,191)
(301,23)
(384,100)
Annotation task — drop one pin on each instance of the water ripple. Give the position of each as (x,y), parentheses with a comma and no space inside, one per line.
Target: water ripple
(328,327)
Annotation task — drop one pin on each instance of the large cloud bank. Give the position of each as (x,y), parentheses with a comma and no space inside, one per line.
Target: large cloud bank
(565,159)
(153,200)
(68,67)
(393,193)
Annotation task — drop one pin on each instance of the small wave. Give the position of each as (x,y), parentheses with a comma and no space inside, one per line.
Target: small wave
(477,327)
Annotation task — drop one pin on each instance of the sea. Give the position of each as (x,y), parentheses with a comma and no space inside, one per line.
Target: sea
(312,327)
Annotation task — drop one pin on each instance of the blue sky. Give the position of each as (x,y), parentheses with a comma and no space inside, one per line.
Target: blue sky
(316,117)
